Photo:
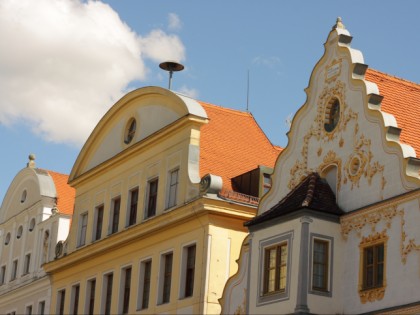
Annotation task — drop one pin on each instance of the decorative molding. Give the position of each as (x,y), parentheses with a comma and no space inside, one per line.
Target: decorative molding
(372,295)
(411,245)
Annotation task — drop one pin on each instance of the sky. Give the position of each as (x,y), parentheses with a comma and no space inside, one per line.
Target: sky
(64,63)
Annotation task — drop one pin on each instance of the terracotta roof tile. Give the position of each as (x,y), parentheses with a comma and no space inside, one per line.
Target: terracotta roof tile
(312,193)
(401,99)
(232,143)
(65,193)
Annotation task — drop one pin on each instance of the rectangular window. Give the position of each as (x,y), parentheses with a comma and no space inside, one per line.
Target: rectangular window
(41,308)
(14,270)
(115,217)
(373,266)
(90,297)
(167,277)
(144,292)
(75,290)
(126,286)
(173,188)
(108,293)
(132,210)
(27,264)
(275,268)
(320,265)
(2,274)
(99,217)
(60,302)
(189,270)
(83,228)
(152,189)
(266,183)
(28,310)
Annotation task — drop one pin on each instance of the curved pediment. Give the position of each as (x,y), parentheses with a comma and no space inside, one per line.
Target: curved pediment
(27,188)
(135,117)
(342,126)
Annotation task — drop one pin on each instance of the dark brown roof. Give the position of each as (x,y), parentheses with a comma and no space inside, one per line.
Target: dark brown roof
(313,193)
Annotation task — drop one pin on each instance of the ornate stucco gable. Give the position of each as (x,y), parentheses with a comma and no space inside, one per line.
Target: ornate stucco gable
(342,133)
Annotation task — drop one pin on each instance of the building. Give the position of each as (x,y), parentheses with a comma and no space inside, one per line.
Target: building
(338,231)
(35,215)
(163,186)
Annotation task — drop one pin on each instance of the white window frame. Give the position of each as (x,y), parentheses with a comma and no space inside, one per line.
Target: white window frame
(82,229)
(183,273)
(95,222)
(161,281)
(88,293)
(330,241)
(172,197)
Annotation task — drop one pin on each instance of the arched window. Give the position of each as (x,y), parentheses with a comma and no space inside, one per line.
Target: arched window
(332,115)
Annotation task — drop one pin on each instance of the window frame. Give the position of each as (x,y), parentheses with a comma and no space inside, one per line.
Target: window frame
(267,298)
(61,299)
(145,265)
(90,296)
(27,264)
(132,207)
(188,270)
(375,292)
(278,268)
(114,221)
(151,198)
(107,290)
(82,229)
(165,277)
(14,273)
(172,195)
(75,298)
(3,274)
(98,222)
(329,275)
(125,290)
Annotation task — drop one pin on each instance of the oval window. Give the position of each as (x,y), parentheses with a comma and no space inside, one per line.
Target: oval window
(332,115)
(32,225)
(7,240)
(19,232)
(130,130)
(23,196)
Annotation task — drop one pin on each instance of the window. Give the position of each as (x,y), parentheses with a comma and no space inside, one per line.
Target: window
(332,115)
(14,270)
(82,228)
(27,264)
(152,189)
(75,290)
(108,279)
(132,210)
(99,217)
(32,225)
(126,285)
(41,308)
(19,232)
(320,265)
(115,216)
(28,310)
(166,267)
(373,266)
(60,302)
(90,297)
(173,187)
(275,268)
(7,240)
(372,275)
(266,183)
(2,274)
(189,269)
(144,292)
(130,130)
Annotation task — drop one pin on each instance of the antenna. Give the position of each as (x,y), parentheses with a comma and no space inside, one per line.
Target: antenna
(247,94)
(171,66)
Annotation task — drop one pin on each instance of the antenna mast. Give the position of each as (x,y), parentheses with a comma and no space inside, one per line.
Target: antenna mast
(247,94)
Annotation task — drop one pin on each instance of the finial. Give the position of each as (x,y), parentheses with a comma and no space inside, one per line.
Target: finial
(338,24)
(31,162)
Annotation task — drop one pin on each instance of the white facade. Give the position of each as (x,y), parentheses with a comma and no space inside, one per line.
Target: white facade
(370,262)
(30,227)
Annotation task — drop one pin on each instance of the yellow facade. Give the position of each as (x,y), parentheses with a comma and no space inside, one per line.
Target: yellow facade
(166,138)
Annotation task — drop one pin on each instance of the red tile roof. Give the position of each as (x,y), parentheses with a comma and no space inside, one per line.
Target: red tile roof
(232,143)
(401,99)
(65,193)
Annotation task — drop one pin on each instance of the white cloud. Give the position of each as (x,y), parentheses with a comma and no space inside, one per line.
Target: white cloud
(270,62)
(175,23)
(64,63)
(193,93)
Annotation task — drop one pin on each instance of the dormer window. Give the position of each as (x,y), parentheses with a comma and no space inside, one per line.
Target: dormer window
(130,130)
(332,115)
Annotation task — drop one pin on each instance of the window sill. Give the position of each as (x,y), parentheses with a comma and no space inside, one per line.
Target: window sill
(371,295)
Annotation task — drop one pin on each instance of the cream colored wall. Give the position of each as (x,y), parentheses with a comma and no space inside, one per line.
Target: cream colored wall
(361,131)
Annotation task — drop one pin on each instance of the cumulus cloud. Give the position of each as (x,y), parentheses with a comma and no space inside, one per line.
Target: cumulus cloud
(175,23)
(193,93)
(64,63)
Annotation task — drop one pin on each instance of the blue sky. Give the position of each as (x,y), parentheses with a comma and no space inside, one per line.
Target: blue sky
(64,63)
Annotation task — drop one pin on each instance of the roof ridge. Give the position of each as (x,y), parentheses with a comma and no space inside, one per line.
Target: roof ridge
(238,111)
(394,77)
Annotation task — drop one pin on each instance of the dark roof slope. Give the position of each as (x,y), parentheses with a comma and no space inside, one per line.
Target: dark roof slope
(312,193)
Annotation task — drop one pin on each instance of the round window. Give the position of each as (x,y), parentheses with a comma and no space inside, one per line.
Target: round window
(332,115)
(19,232)
(130,130)
(7,240)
